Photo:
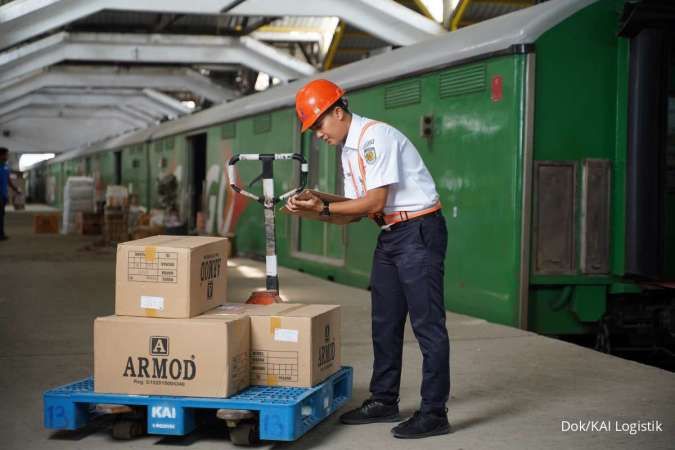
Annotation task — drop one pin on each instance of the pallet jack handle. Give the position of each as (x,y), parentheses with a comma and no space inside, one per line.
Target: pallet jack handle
(268,200)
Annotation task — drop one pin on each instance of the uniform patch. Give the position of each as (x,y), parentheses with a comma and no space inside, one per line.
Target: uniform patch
(370,155)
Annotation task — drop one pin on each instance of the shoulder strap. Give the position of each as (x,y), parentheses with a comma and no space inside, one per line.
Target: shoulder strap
(362,165)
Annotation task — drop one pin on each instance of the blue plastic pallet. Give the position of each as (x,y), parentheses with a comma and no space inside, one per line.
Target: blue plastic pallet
(284,413)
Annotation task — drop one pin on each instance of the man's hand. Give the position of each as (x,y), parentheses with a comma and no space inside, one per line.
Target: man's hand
(304,201)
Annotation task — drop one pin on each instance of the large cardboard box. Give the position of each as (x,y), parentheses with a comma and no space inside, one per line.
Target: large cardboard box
(171,276)
(291,344)
(187,357)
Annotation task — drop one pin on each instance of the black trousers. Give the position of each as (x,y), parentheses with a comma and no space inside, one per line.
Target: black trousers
(407,278)
(2,216)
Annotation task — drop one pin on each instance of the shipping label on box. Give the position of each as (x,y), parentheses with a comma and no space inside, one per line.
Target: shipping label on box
(187,357)
(291,344)
(171,276)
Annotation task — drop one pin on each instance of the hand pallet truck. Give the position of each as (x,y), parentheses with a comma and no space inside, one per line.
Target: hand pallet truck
(257,413)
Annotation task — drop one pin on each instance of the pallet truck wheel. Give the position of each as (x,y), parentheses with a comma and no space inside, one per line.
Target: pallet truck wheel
(127,429)
(244,434)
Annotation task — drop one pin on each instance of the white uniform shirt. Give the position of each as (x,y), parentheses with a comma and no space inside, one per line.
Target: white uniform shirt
(390,159)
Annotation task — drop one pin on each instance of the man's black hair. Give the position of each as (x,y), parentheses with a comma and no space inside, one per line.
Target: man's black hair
(342,103)
(4,150)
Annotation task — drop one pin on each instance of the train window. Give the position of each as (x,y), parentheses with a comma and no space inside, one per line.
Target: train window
(596,196)
(555,193)
(135,163)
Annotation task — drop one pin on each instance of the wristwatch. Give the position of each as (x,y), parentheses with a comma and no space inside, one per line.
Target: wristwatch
(326,210)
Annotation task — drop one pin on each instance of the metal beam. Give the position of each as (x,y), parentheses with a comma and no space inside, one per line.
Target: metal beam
(140,114)
(163,78)
(386,19)
(164,99)
(27,19)
(70,112)
(56,100)
(67,127)
(150,48)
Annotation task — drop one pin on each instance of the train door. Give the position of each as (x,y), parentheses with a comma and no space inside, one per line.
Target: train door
(315,240)
(196,158)
(118,167)
(650,164)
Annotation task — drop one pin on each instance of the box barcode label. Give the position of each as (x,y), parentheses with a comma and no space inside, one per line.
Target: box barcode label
(163,268)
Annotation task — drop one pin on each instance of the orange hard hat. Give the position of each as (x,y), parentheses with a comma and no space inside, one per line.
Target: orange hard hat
(314,98)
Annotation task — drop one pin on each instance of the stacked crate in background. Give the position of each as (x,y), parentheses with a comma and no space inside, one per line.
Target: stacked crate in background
(115,214)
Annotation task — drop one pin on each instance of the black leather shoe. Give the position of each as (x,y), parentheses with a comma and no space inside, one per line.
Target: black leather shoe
(422,425)
(371,411)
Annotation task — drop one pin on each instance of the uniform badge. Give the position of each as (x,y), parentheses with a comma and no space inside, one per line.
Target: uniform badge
(370,155)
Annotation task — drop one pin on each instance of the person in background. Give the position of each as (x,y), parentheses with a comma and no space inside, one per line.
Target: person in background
(5,184)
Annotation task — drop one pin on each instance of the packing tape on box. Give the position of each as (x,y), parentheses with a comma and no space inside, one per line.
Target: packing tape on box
(275,322)
(150,253)
(272,380)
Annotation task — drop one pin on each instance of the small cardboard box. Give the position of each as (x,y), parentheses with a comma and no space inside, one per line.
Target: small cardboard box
(291,344)
(46,223)
(171,276)
(312,215)
(187,357)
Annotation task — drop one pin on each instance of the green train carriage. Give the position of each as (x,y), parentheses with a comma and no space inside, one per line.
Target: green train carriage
(524,122)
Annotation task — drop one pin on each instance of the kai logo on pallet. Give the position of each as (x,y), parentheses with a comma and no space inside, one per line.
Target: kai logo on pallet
(163,412)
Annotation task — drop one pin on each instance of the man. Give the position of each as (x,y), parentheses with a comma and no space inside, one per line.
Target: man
(5,181)
(386,179)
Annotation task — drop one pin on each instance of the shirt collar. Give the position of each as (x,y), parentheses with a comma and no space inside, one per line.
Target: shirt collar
(352,141)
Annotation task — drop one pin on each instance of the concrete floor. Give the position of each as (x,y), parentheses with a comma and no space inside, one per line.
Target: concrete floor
(511,389)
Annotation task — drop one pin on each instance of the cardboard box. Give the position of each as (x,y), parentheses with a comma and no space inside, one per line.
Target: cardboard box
(171,276)
(291,344)
(311,215)
(187,357)
(88,223)
(46,223)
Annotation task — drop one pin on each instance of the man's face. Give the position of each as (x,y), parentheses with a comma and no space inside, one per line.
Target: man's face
(3,157)
(332,128)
